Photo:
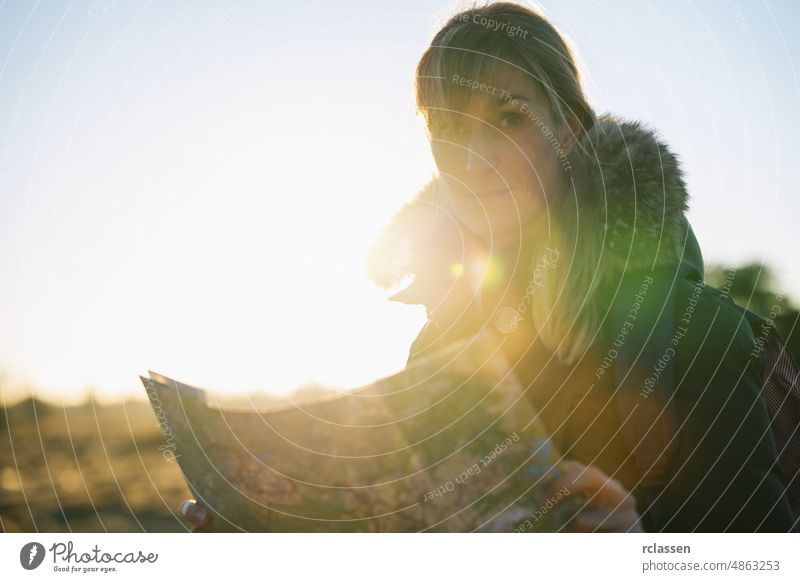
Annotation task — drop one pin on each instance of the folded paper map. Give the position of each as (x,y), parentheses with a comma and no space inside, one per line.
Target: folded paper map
(450,444)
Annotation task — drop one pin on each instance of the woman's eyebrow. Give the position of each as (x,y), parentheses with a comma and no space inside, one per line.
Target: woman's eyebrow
(506,97)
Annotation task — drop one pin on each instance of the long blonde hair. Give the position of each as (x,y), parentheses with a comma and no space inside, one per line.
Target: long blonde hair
(475,44)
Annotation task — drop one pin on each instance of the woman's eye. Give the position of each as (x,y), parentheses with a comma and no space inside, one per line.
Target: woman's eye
(510,119)
(451,129)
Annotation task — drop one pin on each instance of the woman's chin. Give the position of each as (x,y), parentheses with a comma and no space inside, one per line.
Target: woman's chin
(499,231)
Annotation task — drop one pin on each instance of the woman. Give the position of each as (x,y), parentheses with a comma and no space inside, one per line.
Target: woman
(565,233)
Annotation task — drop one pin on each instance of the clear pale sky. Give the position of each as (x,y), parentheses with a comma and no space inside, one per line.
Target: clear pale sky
(190,187)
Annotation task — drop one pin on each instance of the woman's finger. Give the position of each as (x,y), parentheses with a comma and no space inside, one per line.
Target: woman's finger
(193,513)
(599,489)
(608,505)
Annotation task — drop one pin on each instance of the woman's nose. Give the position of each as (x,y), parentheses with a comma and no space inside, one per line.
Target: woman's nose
(480,154)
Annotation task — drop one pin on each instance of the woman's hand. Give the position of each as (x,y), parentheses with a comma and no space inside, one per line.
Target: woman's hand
(196,515)
(609,506)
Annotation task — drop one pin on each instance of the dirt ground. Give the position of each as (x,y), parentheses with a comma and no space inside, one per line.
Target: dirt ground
(87,468)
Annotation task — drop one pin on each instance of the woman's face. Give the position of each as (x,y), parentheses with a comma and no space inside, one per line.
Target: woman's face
(500,157)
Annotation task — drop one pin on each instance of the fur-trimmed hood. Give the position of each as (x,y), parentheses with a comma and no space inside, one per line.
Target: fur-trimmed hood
(628,183)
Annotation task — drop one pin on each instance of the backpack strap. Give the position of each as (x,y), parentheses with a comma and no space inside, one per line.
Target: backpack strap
(781,391)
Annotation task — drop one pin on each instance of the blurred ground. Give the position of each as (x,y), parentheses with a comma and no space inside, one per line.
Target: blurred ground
(97,467)
(87,468)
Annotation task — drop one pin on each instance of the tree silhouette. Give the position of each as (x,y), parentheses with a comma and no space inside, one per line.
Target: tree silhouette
(753,286)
